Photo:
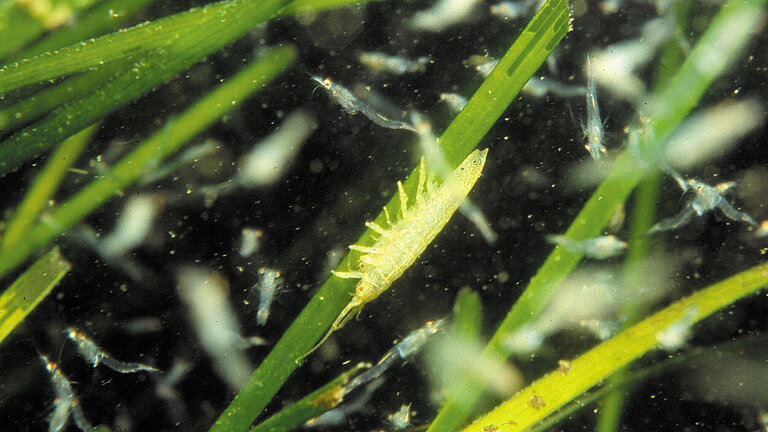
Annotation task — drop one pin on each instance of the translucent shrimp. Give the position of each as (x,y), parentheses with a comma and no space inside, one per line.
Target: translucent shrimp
(541,86)
(65,402)
(513,9)
(338,415)
(268,287)
(402,351)
(95,355)
(132,227)
(610,7)
(353,105)
(250,241)
(206,295)
(165,388)
(401,420)
(762,230)
(674,337)
(594,128)
(485,69)
(711,132)
(189,157)
(510,9)
(614,66)
(536,86)
(268,160)
(587,300)
(598,248)
(384,63)
(707,198)
(443,14)
(271,157)
(455,101)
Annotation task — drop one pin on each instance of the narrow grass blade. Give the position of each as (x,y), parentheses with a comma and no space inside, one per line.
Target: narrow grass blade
(33,107)
(30,289)
(106,16)
(724,39)
(129,42)
(490,101)
(634,377)
(673,102)
(43,187)
(521,61)
(24,22)
(151,152)
(78,86)
(24,30)
(220,26)
(321,400)
(199,31)
(642,219)
(643,215)
(467,315)
(312,6)
(557,388)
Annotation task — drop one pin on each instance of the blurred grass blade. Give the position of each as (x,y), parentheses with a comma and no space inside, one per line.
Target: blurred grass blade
(557,388)
(521,61)
(465,132)
(35,106)
(312,6)
(643,216)
(321,400)
(105,16)
(30,289)
(467,315)
(151,152)
(724,40)
(43,187)
(24,22)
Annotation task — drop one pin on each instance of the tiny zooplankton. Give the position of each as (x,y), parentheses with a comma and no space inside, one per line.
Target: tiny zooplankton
(401,243)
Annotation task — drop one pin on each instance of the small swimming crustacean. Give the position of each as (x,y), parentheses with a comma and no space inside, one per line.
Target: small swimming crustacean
(443,14)
(510,9)
(353,105)
(95,355)
(485,68)
(541,86)
(383,63)
(401,420)
(515,9)
(674,337)
(598,248)
(707,199)
(66,401)
(403,350)
(403,241)
(455,101)
(593,130)
(269,285)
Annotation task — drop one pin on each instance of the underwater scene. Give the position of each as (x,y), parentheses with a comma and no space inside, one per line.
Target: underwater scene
(383,215)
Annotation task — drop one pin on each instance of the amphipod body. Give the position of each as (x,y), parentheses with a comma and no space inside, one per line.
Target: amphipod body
(594,128)
(402,242)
